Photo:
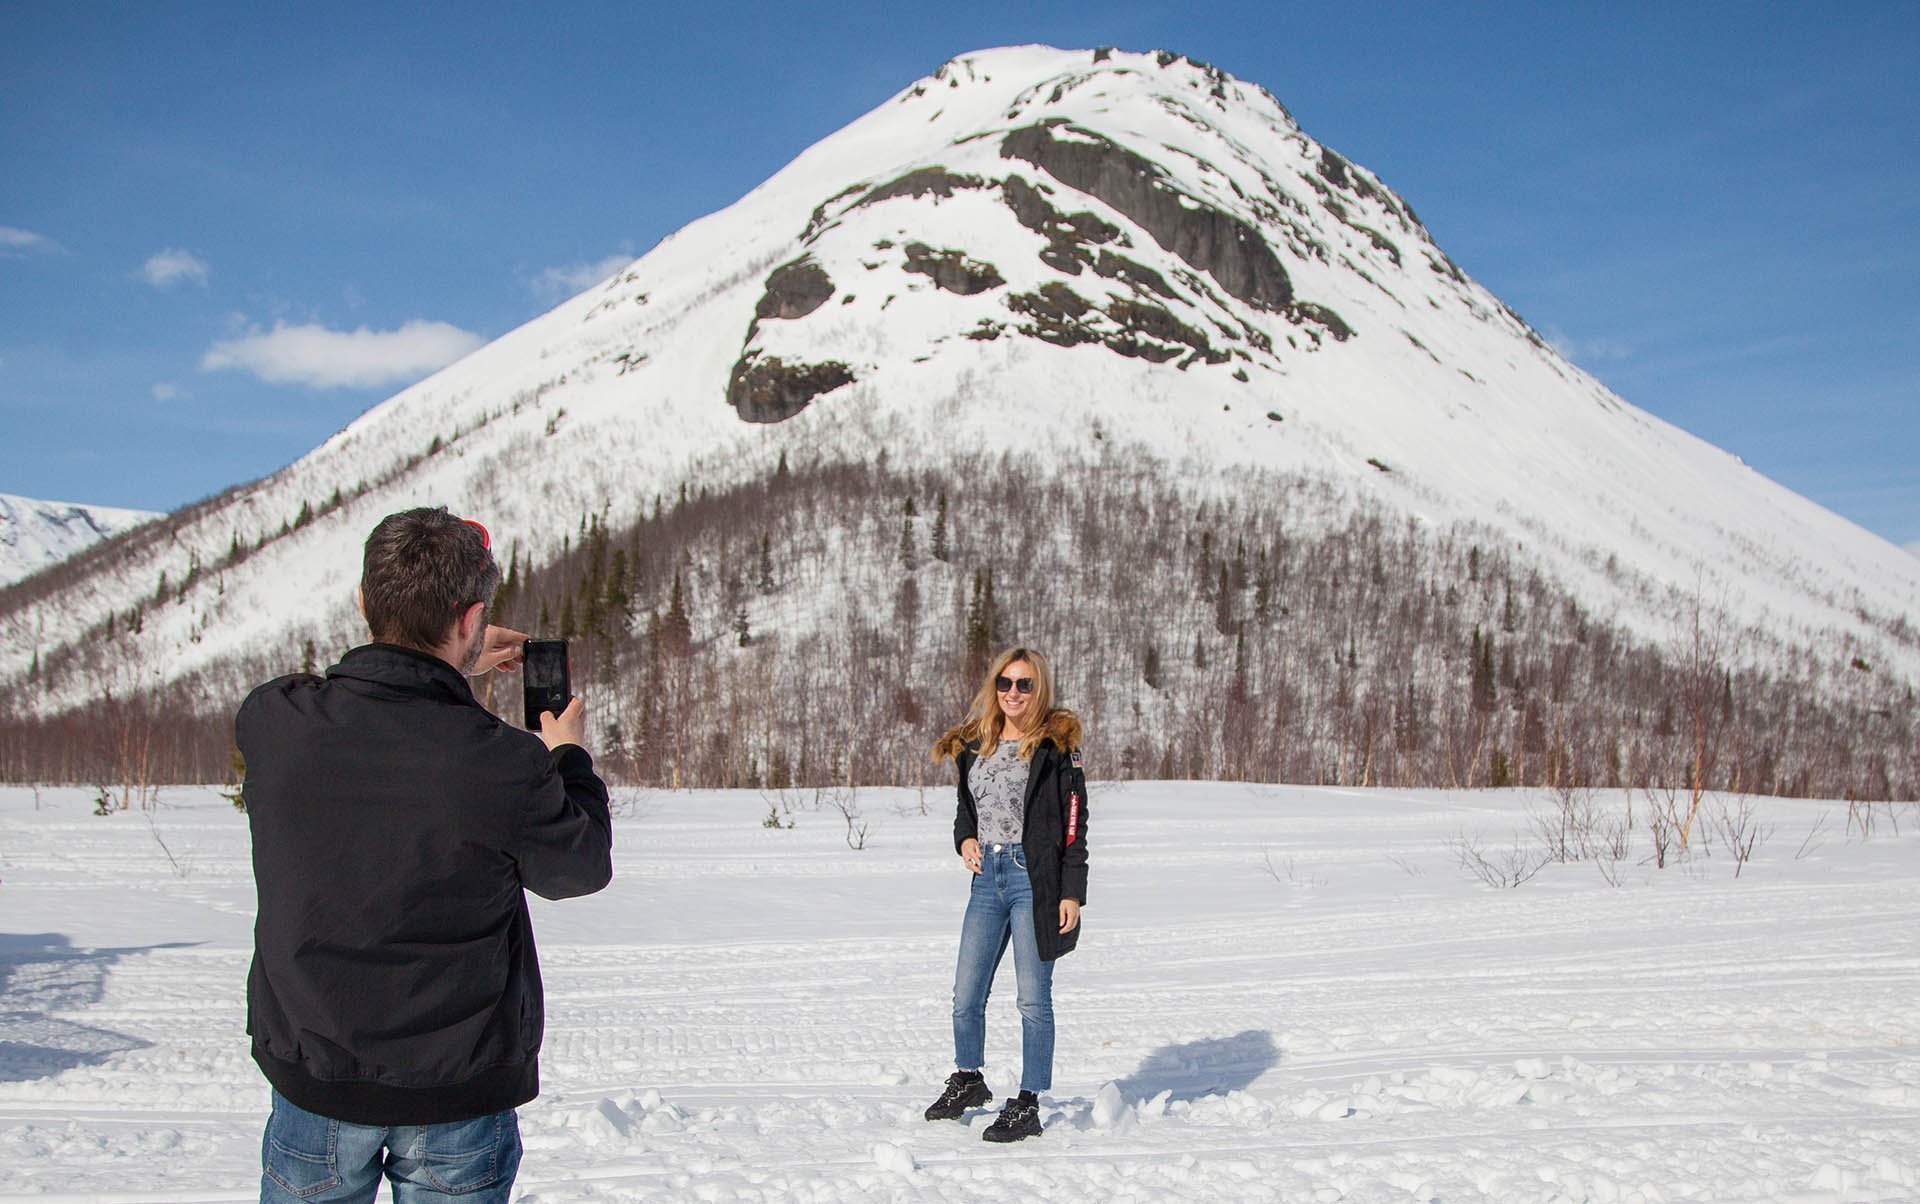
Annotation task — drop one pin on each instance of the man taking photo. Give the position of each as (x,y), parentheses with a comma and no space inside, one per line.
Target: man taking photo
(395,1001)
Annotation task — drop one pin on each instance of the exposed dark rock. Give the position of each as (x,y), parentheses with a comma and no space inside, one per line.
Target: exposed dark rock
(768,389)
(1058,315)
(1119,267)
(1223,246)
(819,218)
(937,181)
(952,270)
(1380,242)
(1068,235)
(1140,318)
(1319,315)
(1444,266)
(1333,168)
(1341,174)
(794,290)
(1102,53)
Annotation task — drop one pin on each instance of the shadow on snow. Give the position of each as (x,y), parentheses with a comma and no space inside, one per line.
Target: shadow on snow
(1210,1066)
(42,974)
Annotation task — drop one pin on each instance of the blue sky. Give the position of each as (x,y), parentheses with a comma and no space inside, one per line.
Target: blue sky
(226,230)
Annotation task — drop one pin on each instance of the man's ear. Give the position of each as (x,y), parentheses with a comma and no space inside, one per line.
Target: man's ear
(359,602)
(470,620)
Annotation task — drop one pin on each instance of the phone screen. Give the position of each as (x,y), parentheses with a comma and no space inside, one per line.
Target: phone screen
(546,679)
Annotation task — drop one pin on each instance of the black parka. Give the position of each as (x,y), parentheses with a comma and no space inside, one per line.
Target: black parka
(1054,835)
(396,827)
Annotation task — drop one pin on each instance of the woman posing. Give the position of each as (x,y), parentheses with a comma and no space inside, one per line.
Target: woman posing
(1021,827)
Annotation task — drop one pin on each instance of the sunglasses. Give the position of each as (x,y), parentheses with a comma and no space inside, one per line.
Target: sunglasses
(486,539)
(1023,684)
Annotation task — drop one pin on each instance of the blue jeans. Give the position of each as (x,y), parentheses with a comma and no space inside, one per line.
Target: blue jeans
(311,1159)
(1000,910)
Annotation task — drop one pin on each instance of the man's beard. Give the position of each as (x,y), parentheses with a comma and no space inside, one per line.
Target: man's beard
(475,646)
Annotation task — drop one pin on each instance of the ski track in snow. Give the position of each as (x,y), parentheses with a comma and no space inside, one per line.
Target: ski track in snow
(1283,994)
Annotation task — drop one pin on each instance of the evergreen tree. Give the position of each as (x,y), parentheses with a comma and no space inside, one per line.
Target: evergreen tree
(979,633)
(1150,666)
(676,629)
(940,550)
(1223,603)
(1237,692)
(617,603)
(742,633)
(907,554)
(1482,688)
(766,564)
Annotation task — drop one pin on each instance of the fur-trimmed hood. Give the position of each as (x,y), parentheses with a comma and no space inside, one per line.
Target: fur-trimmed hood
(1062,727)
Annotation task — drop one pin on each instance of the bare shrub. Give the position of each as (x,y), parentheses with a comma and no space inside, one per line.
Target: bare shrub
(846,801)
(1810,843)
(1740,830)
(779,815)
(1665,815)
(1501,868)
(1287,873)
(1613,843)
(182,869)
(1568,826)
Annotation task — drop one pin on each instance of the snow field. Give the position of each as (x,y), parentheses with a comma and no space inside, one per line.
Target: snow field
(1283,994)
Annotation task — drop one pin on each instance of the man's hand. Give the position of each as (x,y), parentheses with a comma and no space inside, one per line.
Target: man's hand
(970,853)
(501,651)
(569,727)
(1069,915)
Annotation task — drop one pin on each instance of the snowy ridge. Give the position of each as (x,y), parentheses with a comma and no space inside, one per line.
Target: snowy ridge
(35,534)
(1087,253)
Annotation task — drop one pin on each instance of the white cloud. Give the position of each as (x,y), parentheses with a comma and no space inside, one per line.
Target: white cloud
(557,284)
(15,241)
(171,265)
(319,358)
(166,392)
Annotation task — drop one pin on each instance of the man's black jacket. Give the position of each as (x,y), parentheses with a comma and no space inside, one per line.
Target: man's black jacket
(395,822)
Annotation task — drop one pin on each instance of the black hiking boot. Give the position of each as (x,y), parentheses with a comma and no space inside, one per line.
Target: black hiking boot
(1019,1118)
(965,1089)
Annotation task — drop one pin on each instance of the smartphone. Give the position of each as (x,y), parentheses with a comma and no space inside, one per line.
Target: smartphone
(547,679)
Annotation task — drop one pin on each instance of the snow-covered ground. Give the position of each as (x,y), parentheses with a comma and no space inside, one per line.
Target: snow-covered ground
(1283,994)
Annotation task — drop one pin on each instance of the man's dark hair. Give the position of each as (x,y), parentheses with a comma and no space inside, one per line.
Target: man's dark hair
(422,568)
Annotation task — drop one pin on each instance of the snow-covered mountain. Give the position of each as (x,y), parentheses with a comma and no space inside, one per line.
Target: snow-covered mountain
(35,534)
(1089,257)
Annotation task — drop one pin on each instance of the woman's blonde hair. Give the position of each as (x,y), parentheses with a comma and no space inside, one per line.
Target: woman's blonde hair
(985,719)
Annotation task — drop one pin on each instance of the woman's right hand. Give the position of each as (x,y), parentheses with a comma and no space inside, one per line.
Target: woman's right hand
(970,853)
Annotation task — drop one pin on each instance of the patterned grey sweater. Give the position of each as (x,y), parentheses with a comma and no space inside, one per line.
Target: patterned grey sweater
(999,788)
